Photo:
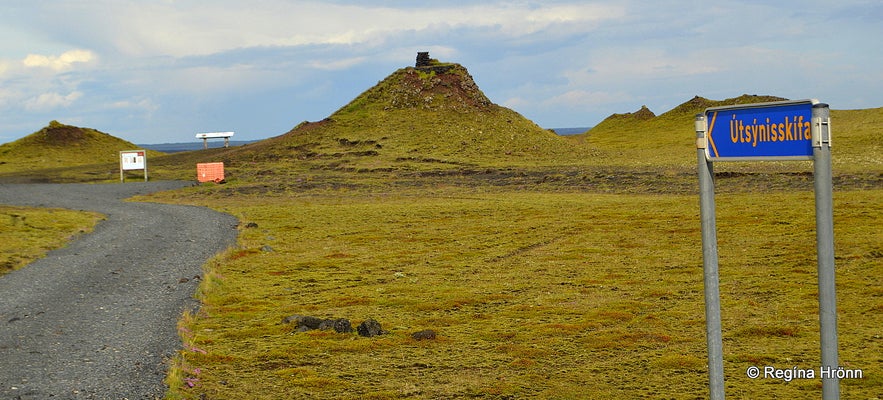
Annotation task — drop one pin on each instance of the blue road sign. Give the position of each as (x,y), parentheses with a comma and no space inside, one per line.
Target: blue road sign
(761,131)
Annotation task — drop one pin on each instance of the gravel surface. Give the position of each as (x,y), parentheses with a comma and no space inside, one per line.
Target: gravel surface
(97,319)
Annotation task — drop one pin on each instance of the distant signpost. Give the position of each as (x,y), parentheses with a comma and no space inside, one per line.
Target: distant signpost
(214,135)
(132,160)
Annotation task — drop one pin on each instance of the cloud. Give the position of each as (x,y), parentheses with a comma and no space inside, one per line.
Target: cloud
(585,98)
(49,101)
(8,96)
(340,64)
(629,63)
(136,104)
(516,103)
(58,63)
(201,28)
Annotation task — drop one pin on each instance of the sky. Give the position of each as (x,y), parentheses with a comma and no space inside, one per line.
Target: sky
(160,71)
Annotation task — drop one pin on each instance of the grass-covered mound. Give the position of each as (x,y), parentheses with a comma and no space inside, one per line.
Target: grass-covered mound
(667,143)
(418,118)
(643,138)
(58,146)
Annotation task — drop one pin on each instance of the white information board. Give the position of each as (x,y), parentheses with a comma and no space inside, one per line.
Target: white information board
(133,160)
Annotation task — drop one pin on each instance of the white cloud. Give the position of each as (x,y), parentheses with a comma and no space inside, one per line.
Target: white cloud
(177,29)
(48,101)
(584,98)
(8,96)
(516,103)
(137,104)
(338,64)
(58,63)
(615,64)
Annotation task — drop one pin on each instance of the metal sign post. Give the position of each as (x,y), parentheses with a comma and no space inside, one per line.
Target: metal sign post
(787,130)
(821,137)
(710,265)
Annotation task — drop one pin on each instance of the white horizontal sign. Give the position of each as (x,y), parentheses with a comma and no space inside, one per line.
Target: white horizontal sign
(212,135)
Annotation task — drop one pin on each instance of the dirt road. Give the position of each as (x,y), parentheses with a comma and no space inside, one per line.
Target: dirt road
(96,319)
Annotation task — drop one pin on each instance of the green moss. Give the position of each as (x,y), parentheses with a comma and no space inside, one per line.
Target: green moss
(27,234)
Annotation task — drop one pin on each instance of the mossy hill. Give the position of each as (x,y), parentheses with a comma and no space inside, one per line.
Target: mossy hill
(664,138)
(418,118)
(58,145)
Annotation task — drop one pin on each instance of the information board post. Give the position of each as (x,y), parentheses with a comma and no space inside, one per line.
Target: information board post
(821,138)
(711,279)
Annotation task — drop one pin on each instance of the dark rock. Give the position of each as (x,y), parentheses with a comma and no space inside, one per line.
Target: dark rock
(303,321)
(427,334)
(307,323)
(339,325)
(251,225)
(370,328)
(343,326)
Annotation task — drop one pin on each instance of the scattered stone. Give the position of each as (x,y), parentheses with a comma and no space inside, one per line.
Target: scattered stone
(251,225)
(305,323)
(427,334)
(266,248)
(303,320)
(370,328)
(339,325)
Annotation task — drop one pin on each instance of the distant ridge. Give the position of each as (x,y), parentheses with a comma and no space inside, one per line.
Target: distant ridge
(641,115)
(689,108)
(191,146)
(571,131)
(665,138)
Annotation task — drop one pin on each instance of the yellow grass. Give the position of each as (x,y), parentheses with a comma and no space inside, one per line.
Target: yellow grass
(549,295)
(27,234)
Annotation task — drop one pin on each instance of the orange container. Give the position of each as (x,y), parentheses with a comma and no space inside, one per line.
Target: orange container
(210,172)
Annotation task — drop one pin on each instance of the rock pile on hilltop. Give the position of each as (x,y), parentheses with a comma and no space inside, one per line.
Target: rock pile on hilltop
(432,115)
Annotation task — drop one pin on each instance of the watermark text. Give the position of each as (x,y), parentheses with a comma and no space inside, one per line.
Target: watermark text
(789,374)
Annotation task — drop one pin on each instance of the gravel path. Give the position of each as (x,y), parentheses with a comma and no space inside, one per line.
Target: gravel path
(97,319)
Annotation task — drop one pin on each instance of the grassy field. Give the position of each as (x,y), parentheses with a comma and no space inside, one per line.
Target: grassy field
(582,280)
(532,294)
(27,234)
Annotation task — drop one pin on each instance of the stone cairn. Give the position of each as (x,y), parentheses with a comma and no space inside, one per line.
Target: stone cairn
(423,59)
(424,63)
